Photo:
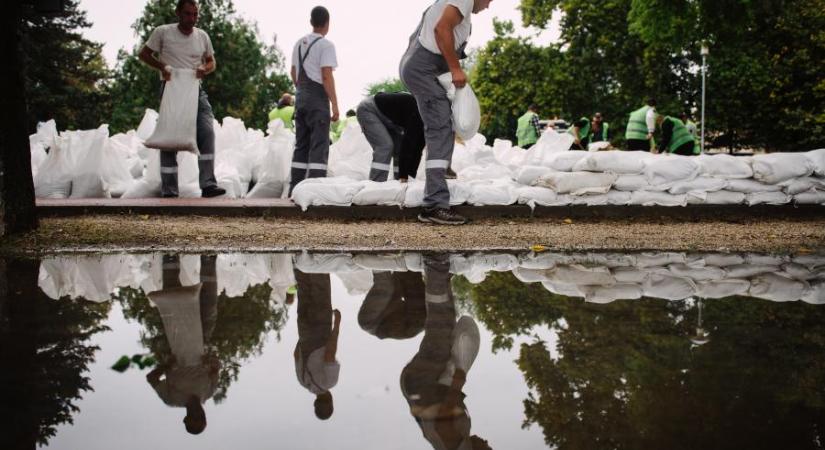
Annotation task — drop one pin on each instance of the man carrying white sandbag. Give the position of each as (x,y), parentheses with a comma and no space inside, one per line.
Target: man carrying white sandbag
(676,138)
(183,46)
(435,48)
(393,127)
(640,127)
(313,60)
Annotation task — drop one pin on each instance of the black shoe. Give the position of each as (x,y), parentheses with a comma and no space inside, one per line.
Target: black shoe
(213,191)
(450,175)
(167,195)
(441,216)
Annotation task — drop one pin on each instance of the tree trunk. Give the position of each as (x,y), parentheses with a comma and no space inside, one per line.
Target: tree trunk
(17,207)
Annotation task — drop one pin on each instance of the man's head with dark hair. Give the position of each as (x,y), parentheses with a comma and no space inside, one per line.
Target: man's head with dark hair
(351,113)
(195,420)
(187,12)
(319,17)
(181,4)
(533,107)
(651,101)
(323,406)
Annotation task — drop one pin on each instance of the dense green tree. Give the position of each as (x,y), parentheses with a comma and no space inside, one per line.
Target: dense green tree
(248,82)
(65,73)
(385,85)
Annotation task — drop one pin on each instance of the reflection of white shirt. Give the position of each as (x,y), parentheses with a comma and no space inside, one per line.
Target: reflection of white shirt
(318,376)
(179,50)
(461,32)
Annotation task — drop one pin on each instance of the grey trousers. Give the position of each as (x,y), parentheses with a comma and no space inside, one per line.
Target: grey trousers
(312,119)
(206,147)
(420,69)
(384,137)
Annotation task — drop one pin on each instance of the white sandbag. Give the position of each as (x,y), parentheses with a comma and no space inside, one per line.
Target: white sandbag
(237,272)
(176,128)
(493,192)
(805,184)
(507,155)
(698,184)
(414,197)
(798,272)
(810,261)
(749,270)
(816,294)
(723,197)
(46,133)
(598,146)
(778,167)
(668,287)
(38,155)
(777,288)
(356,283)
(707,273)
(725,166)
(581,275)
(381,262)
(466,110)
(326,263)
(87,181)
(528,175)
(767,198)
(630,183)
(230,180)
(608,294)
(660,259)
(565,289)
(351,155)
(147,125)
(814,197)
(723,288)
(619,162)
(618,198)
(390,193)
(54,178)
(272,171)
(538,261)
(266,189)
(664,169)
(563,161)
(526,275)
(722,259)
(817,158)
(578,183)
(534,195)
(757,259)
(751,186)
(325,191)
(630,275)
(485,172)
(647,198)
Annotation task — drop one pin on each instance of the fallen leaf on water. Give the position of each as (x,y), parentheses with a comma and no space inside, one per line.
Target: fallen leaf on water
(144,217)
(568,221)
(538,248)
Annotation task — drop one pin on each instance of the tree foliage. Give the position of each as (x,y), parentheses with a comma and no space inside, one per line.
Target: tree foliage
(248,82)
(385,85)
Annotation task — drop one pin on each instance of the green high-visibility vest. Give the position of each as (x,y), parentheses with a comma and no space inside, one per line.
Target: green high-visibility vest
(637,124)
(604,133)
(584,132)
(285,114)
(680,136)
(526,132)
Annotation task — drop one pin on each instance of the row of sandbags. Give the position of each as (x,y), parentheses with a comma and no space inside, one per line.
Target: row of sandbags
(596,277)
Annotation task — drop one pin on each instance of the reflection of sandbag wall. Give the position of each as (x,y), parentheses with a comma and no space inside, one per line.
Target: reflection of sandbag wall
(597,277)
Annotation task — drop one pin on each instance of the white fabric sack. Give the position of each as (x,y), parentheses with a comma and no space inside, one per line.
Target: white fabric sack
(266,189)
(38,155)
(777,288)
(699,184)
(668,287)
(723,197)
(54,178)
(814,197)
(659,259)
(723,288)
(697,273)
(176,128)
(749,270)
(647,198)
(351,155)
(631,183)
(761,259)
(816,294)
(725,166)
(325,191)
(778,167)
(493,192)
(414,197)
(805,184)
(485,172)
(563,161)
(565,289)
(528,175)
(630,275)
(617,161)
(770,198)
(147,124)
(272,171)
(381,262)
(608,294)
(580,275)
(664,169)
(817,158)
(751,186)
(578,183)
(722,259)
(390,193)
(598,146)
(466,110)
(46,133)
(534,195)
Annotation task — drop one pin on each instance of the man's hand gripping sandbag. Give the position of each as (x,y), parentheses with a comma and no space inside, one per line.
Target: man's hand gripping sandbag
(466,110)
(176,129)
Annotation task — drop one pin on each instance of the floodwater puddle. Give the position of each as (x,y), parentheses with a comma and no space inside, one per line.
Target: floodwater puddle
(413,351)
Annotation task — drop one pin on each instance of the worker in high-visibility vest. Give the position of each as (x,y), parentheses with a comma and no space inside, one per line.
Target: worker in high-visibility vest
(528,130)
(284,111)
(676,138)
(641,126)
(599,130)
(580,130)
(694,131)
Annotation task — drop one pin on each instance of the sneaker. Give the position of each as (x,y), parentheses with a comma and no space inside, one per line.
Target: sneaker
(450,175)
(213,191)
(441,216)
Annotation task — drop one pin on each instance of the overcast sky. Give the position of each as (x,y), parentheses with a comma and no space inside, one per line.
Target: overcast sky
(369,35)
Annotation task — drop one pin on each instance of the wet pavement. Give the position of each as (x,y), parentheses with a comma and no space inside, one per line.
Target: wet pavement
(413,351)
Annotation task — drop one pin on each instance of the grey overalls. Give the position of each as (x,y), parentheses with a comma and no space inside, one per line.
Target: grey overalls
(419,71)
(312,119)
(385,138)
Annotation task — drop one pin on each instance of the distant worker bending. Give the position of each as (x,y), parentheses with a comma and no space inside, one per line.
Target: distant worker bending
(675,137)
(394,129)
(641,126)
(529,129)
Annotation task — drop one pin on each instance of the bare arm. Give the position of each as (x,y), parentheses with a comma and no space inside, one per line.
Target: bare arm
(445,40)
(294,76)
(209,65)
(147,55)
(332,342)
(329,87)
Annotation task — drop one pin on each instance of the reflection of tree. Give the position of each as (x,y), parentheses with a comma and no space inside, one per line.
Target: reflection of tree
(240,331)
(44,354)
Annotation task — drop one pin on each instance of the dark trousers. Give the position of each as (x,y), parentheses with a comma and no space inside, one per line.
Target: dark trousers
(638,144)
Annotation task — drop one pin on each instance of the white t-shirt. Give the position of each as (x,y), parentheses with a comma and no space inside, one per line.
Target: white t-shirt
(461,32)
(179,50)
(318,376)
(322,54)
(650,120)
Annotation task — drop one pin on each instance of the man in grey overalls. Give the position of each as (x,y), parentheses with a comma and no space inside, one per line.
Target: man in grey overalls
(393,127)
(313,60)
(435,48)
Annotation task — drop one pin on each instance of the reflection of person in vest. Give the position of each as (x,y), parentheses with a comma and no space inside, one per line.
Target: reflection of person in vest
(675,137)
(189,315)
(640,127)
(433,380)
(318,325)
(528,129)
(394,307)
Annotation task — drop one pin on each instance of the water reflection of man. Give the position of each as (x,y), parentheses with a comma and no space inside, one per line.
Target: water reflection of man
(318,328)
(433,380)
(189,315)
(394,307)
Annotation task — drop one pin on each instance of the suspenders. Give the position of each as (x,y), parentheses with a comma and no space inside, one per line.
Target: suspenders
(302,58)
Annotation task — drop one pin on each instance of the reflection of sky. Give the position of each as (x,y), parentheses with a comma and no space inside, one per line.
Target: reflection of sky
(267,408)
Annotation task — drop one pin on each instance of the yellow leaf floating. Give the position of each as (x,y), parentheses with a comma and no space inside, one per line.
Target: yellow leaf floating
(538,248)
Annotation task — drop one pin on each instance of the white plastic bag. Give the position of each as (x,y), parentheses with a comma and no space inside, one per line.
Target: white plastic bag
(351,155)
(466,110)
(176,128)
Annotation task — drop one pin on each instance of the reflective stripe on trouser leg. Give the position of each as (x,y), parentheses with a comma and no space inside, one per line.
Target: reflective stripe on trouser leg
(311,145)
(419,73)
(206,143)
(169,173)
(379,137)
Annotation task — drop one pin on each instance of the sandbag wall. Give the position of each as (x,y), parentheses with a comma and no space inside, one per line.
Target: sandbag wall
(595,277)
